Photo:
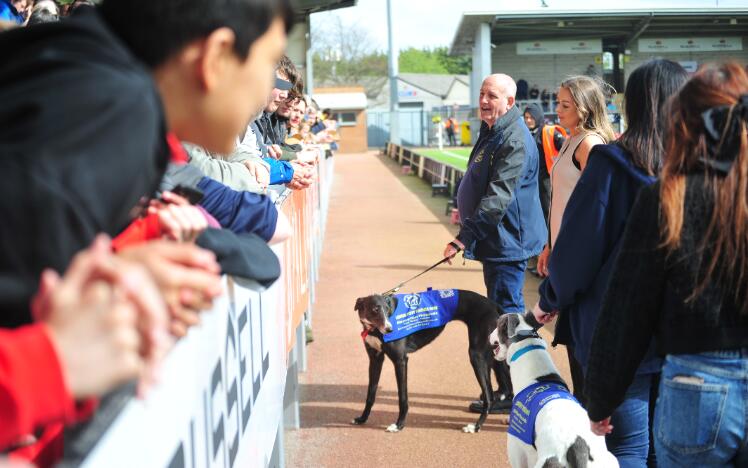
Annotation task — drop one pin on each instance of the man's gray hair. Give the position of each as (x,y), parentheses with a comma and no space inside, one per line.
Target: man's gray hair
(503,82)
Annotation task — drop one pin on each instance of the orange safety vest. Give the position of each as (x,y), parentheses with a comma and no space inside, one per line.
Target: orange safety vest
(549,148)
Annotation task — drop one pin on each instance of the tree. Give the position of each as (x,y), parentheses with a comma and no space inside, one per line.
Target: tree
(412,60)
(435,60)
(343,54)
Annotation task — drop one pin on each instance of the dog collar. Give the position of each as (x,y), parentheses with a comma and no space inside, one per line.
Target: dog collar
(523,335)
(524,351)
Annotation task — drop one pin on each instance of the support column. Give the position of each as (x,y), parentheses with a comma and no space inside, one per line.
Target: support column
(309,85)
(481,61)
(392,72)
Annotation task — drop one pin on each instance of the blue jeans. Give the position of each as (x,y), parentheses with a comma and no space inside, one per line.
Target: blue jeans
(700,418)
(504,283)
(629,441)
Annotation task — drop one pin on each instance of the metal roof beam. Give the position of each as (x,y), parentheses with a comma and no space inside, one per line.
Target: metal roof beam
(638,30)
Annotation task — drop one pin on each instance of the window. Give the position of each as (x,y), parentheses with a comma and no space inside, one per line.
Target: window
(346,119)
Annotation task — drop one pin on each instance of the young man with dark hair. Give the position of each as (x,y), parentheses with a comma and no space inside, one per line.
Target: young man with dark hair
(75,163)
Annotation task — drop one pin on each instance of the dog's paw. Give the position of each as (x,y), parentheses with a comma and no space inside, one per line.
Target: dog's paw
(470,429)
(392,428)
(358,421)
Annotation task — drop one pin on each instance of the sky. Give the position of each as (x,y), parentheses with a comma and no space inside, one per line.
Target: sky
(432,23)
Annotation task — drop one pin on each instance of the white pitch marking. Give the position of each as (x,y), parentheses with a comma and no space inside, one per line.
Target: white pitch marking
(455,155)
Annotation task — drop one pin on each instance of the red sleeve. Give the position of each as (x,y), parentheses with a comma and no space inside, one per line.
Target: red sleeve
(32,387)
(140,230)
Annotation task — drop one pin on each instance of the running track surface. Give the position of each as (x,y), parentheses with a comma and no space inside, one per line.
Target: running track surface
(382,228)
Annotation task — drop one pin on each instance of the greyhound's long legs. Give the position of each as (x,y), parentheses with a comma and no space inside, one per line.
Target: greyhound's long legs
(401,375)
(375,370)
(481,369)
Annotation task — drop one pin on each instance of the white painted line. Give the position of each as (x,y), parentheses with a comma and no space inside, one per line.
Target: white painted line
(455,155)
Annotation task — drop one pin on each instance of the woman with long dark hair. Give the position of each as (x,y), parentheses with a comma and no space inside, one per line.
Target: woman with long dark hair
(590,238)
(682,278)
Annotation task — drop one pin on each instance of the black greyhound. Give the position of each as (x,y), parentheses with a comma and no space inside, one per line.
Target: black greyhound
(479,314)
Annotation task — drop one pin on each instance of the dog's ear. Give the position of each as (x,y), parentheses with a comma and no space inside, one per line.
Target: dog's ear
(530,320)
(512,322)
(389,299)
(502,328)
(359,304)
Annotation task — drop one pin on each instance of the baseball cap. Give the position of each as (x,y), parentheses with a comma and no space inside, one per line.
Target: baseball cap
(283,85)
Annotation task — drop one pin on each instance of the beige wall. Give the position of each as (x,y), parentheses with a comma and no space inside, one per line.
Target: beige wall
(353,138)
(547,71)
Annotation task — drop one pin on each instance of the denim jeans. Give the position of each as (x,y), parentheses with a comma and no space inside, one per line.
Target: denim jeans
(700,419)
(504,283)
(629,441)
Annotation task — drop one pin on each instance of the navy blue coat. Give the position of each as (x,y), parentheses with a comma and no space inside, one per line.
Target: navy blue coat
(502,220)
(587,246)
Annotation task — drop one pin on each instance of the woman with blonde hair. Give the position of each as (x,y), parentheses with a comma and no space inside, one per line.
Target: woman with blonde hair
(682,279)
(581,109)
(591,237)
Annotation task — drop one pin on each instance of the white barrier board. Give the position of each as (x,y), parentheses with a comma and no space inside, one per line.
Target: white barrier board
(220,397)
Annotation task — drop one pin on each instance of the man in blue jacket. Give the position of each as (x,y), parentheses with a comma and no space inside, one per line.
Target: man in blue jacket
(502,220)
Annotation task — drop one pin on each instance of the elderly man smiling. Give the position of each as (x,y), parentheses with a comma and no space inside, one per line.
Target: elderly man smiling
(502,220)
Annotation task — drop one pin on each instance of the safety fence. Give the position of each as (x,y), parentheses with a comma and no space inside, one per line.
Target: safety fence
(433,171)
(230,387)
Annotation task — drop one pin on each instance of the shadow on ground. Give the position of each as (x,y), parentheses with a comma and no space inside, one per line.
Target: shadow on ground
(316,411)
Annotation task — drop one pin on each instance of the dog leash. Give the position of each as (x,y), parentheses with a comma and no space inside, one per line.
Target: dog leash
(397,288)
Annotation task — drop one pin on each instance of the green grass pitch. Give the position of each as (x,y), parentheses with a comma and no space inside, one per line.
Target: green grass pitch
(457,157)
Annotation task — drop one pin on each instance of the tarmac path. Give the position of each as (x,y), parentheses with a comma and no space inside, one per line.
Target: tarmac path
(382,228)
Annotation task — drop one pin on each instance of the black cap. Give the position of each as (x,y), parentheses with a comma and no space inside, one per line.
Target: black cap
(283,85)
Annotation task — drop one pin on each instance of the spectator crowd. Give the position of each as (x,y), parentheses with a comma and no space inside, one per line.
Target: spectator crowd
(144,145)
(642,241)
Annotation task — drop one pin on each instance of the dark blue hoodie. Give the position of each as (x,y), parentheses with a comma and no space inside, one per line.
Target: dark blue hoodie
(587,246)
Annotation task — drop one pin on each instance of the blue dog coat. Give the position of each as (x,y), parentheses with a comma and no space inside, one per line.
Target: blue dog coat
(527,404)
(419,311)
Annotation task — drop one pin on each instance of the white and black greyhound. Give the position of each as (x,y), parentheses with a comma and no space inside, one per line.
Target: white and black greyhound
(548,428)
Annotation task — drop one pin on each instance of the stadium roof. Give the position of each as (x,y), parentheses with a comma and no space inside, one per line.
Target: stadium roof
(436,84)
(307,7)
(621,25)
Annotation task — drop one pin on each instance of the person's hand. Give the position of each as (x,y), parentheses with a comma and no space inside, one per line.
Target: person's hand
(543,262)
(307,156)
(601,428)
(450,251)
(274,151)
(542,316)
(178,220)
(259,171)
(303,176)
(106,319)
(187,276)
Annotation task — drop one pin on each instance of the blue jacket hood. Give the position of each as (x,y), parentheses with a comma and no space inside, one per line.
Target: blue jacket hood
(621,158)
(587,245)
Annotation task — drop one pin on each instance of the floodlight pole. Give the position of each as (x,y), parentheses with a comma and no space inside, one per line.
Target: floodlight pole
(392,72)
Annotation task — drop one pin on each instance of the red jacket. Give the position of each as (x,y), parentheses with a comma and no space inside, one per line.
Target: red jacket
(33,393)
(147,227)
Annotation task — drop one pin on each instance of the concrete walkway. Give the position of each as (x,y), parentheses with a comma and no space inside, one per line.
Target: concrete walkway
(384,227)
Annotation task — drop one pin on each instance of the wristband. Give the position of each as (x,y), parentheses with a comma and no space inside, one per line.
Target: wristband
(457,247)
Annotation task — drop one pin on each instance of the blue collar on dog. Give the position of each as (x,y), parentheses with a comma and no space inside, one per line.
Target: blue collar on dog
(524,351)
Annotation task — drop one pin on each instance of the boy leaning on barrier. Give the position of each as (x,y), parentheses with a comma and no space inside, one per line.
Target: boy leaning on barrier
(87,107)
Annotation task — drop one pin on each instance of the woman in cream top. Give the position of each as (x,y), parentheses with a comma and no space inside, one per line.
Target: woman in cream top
(581,108)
